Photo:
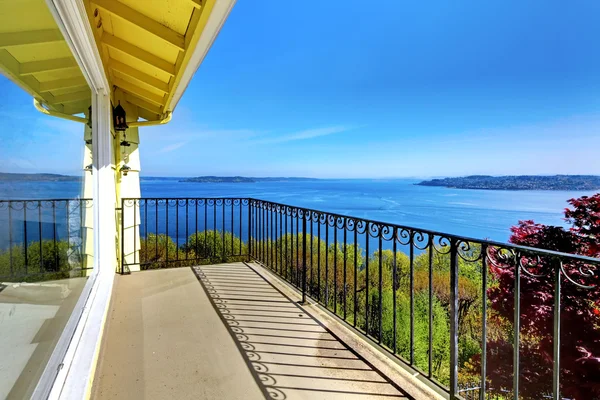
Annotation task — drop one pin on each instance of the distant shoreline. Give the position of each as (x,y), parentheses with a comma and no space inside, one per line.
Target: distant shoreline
(17,177)
(43,177)
(243,179)
(518,182)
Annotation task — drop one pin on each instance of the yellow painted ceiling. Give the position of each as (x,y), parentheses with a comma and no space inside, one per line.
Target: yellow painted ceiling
(34,54)
(145,46)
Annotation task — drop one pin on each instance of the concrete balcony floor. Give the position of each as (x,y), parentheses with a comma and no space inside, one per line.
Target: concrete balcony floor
(234,331)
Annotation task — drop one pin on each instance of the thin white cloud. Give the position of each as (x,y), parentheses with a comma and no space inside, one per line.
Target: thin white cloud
(307,134)
(171,147)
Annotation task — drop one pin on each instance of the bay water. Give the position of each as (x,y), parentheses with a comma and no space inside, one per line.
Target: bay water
(480,214)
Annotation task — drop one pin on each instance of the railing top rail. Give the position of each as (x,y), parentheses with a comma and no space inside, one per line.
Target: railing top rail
(451,236)
(27,200)
(504,245)
(187,198)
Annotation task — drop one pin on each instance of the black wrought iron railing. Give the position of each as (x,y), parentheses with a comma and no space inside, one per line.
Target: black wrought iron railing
(477,318)
(160,233)
(44,239)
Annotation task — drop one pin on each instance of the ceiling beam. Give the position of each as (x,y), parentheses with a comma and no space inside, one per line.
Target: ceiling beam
(138,91)
(138,75)
(136,52)
(47,65)
(63,84)
(72,97)
(143,104)
(134,17)
(30,37)
(76,108)
(195,3)
(147,115)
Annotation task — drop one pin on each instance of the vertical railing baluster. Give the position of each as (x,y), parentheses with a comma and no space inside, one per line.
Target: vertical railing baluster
(288,266)
(135,210)
(80,232)
(277,266)
(197,239)
(41,235)
(146,228)
(412,297)
(380,283)
(206,247)
(240,223)
(68,232)
(430,277)
(156,232)
(394,287)
(298,271)
(56,264)
(224,247)
(214,253)
(166,232)
(25,235)
(326,261)
(517,327)
(335,289)
(232,227)
(367,279)
(274,227)
(282,267)
(304,257)
(10,238)
(319,258)
(250,253)
(263,236)
(345,254)
(312,272)
(453,318)
(355,269)
(482,384)
(176,229)
(556,264)
(268,234)
(186,227)
(292,272)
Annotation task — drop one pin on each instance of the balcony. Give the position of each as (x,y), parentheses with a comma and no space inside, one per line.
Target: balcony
(233,331)
(296,303)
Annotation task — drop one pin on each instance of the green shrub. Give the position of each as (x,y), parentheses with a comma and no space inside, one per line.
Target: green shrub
(54,262)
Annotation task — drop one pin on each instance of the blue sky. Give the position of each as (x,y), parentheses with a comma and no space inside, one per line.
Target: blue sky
(358,89)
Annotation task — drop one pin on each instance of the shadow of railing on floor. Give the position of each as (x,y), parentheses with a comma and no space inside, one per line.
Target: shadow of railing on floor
(289,353)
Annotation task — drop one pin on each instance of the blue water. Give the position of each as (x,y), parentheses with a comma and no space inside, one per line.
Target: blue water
(480,214)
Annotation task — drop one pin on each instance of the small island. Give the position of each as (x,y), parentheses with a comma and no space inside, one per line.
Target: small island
(17,177)
(519,182)
(243,179)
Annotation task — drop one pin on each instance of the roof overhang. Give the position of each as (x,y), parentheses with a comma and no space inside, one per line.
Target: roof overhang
(148,49)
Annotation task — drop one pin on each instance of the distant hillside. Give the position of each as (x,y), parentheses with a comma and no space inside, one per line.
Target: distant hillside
(521,182)
(242,179)
(10,177)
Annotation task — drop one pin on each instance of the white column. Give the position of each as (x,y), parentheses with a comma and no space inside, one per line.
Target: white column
(104,195)
(128,186)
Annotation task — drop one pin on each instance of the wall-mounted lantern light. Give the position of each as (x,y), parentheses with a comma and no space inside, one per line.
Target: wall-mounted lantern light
(125,169)
(119,118)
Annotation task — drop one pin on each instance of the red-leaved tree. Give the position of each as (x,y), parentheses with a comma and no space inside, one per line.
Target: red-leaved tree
(580,309)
